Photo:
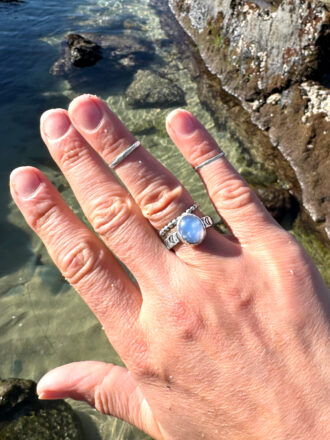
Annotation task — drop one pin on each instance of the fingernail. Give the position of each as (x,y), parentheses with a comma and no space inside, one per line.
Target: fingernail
(87,114)
(182,122)
(55,124)
(25,182)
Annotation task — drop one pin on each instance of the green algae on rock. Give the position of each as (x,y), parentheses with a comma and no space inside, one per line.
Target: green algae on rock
(315,248)
(23,415)
(151,89)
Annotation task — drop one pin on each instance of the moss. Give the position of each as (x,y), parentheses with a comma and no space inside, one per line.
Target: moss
(217,37)
(316,249)
(215,31)
(56,421)
(24,416)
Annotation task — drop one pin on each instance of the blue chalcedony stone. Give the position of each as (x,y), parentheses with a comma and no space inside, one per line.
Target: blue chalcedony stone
(190,229)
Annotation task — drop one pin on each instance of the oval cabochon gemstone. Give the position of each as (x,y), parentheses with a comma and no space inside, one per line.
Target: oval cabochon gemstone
(191,229)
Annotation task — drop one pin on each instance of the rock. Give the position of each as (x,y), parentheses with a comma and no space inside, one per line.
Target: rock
(13,392)
(83,51)
(150,89)
(299,125)
(24,416)
(279,203)
(259,46)
(122,54)
(274,57)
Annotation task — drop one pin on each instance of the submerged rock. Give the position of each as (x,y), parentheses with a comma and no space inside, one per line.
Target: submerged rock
(151,89)
(83,51)
(274,57)
(24,416)
(121,54)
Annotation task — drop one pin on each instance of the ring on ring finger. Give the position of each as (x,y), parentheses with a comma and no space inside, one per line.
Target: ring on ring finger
(190,229)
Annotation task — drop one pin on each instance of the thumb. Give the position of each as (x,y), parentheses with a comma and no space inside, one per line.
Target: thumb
(110,389)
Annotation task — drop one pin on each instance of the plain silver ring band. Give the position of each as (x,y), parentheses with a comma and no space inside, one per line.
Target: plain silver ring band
(124,154)
(206,162)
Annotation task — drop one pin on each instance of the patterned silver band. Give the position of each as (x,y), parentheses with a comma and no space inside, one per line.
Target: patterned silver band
(206,162)
(174,238)
(173,222)
(124,154)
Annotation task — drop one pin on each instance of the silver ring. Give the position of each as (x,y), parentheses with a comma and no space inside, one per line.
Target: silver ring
(124,154)
(173,222)
(190,230)
(206,162)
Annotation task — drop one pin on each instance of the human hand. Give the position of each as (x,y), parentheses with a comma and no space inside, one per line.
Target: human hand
(225,340)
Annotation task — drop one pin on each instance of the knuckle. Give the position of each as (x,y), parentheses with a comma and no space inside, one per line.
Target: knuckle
(235,194)
(158,201)
(71,153)
(186,323)
(103,400)
(111,144)
(81,261)
(202,150)
(43,216)
(110,215)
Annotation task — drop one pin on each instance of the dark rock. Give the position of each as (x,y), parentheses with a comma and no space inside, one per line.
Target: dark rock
(83,51)
(297,124)
(13,392)
(274,57)
(12,1)
(281,205)
(24,416)
(150,89)
(122,54)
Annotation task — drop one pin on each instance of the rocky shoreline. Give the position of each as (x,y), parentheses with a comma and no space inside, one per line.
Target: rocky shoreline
(274,58)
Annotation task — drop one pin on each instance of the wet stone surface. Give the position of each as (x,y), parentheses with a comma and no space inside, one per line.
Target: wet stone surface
(153,89)
(24,416)
(84,52)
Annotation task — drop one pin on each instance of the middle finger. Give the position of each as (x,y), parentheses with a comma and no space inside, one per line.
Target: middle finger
(110,209)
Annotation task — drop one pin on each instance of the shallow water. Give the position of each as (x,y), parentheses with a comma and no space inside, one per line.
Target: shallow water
(43,322)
